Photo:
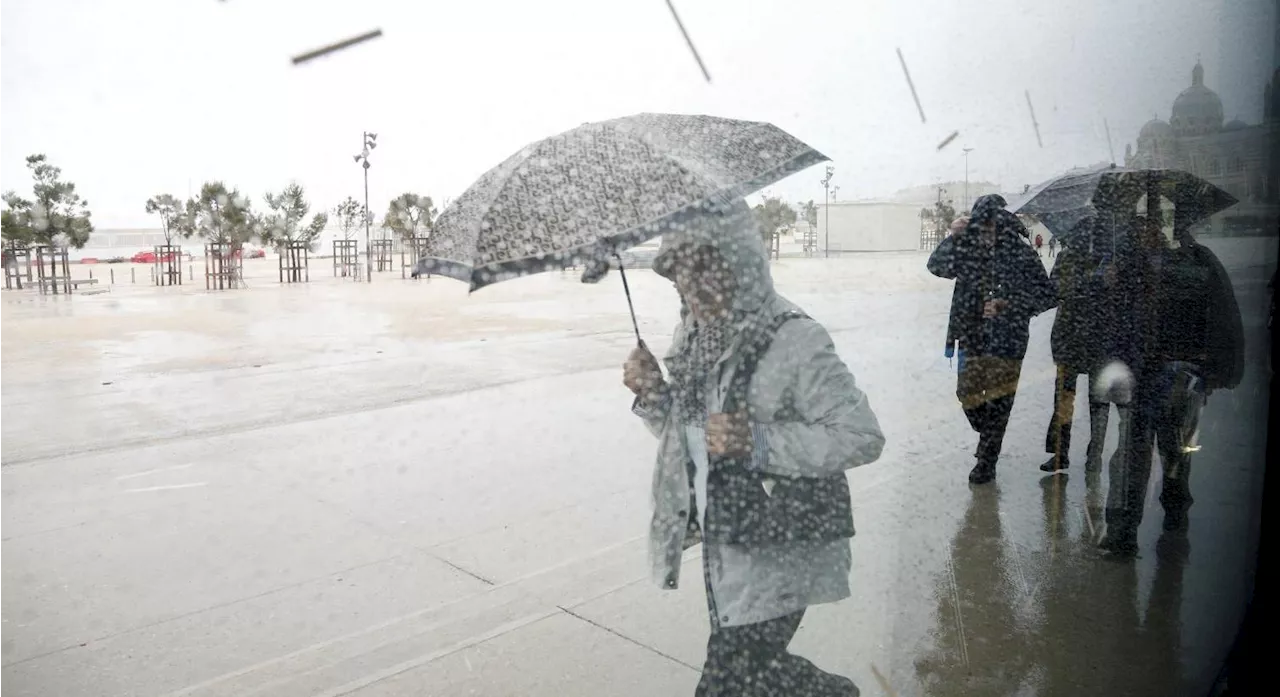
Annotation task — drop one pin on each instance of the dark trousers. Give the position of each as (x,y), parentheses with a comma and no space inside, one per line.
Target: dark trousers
(986,387)
(752,660)
(1163,417)
(1057,440)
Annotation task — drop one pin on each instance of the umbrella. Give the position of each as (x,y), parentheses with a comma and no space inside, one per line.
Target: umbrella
(1064,201)
(583,196)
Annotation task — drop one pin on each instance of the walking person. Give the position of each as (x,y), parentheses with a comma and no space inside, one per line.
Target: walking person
(1188,340)
(1000,284)
(1039,243)
(1077,342)
(1053,245)
(757,422)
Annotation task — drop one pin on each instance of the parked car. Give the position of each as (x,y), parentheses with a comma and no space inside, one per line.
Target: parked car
(145,257)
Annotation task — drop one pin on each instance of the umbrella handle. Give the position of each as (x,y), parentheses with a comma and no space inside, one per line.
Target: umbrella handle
(627,289)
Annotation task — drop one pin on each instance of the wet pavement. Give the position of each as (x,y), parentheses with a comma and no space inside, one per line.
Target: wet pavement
(397,489)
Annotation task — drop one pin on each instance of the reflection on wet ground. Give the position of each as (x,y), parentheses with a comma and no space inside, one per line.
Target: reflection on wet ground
(398,489)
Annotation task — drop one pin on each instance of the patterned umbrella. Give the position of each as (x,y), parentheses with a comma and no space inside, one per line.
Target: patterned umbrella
(584,195)
(1064,201)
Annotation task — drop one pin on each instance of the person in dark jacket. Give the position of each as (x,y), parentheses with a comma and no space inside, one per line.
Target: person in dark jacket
(1186,341)
(1078,349)
(1000,284)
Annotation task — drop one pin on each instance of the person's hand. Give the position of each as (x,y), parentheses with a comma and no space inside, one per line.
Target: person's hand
(641,373)
(959,224)
(729,434)
(993,307)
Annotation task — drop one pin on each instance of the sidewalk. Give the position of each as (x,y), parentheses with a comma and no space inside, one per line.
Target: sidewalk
(397,489)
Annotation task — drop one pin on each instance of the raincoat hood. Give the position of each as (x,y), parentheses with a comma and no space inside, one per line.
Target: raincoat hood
(731,230)
(986,206)
(992,206)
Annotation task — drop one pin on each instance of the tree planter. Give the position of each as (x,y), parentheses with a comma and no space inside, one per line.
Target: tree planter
(222,267)
(53,271)
(17,264)
(346,259)
(168,265)
(381,255)
(294,261)
(412,250)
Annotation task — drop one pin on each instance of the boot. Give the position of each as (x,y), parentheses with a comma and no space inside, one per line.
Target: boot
(982,473)
(1055,464)
(1119,545)
(1175,519)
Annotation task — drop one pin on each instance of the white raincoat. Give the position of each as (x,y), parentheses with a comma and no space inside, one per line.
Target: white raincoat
(819,423)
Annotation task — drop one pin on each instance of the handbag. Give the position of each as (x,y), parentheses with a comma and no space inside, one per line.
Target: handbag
(748,507)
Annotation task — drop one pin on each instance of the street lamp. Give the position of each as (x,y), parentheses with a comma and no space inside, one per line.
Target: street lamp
(966,177)
(826,200)
(368,142)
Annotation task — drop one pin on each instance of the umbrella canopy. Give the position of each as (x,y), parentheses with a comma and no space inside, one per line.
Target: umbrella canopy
(588,193)
(1062,202)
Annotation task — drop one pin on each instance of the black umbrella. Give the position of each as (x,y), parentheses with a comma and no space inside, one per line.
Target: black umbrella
(585,195)
(1064,201)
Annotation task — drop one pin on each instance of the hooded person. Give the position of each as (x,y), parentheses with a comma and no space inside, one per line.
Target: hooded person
(1000,284)
(1078,342)
(757,423)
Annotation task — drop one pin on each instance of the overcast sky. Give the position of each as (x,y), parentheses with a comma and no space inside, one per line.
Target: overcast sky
(137,97)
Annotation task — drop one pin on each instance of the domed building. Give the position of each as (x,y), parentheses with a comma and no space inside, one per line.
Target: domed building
(1198,110)
(1234,155)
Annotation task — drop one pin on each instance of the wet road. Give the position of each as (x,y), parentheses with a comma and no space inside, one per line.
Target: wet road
(396,489)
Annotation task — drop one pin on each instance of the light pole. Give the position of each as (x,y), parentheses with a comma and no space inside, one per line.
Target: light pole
(939,224)
(826,202)
(368,141)
(966,177)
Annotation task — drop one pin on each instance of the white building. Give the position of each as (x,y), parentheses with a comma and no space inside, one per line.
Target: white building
(122,242)
(868,226)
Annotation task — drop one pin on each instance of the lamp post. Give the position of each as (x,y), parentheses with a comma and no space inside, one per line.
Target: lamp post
(368,142)
(966,177)
(939,223)
(826,187)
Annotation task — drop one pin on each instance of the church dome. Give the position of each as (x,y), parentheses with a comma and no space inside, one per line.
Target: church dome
(1198,110)
(1155,129)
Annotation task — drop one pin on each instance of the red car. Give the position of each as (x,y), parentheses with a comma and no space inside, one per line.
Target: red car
(150,258)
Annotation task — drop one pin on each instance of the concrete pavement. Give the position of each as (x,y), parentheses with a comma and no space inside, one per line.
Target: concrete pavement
(397,489)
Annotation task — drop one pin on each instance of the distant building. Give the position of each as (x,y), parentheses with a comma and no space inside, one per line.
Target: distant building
(953,191)
(1234,156)
(123,242)
(868,226)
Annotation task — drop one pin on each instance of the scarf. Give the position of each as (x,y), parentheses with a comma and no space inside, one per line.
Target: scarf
(709,342)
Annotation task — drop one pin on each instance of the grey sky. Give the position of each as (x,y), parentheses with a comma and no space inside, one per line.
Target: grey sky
(137,97)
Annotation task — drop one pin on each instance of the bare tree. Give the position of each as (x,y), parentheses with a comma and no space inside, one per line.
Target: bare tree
(350,215)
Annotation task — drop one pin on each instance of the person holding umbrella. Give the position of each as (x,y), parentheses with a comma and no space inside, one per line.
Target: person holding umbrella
(1187,341)
(1000,284)
(757,423)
